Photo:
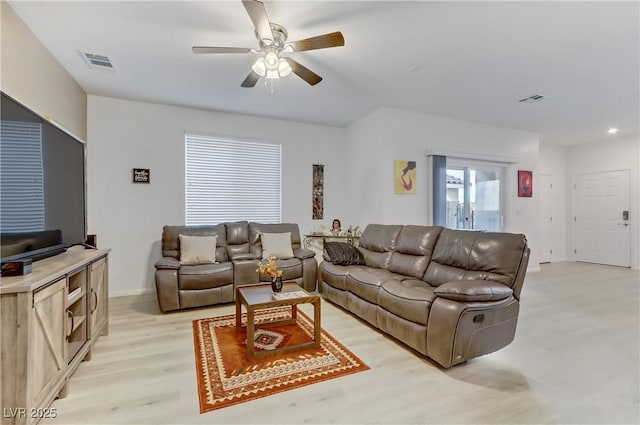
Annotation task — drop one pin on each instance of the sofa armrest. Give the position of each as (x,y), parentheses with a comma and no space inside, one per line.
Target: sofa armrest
(240,256)
(473,291)
(168,263)
(303,253)
(167,289)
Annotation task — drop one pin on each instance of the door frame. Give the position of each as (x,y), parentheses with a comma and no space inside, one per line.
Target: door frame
(548,257)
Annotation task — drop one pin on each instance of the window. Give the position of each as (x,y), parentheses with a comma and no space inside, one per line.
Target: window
(473,198)
(230,180)
(467,194)
(22,210)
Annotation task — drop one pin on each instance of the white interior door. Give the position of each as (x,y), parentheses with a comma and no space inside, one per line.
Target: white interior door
(546,241)
(602,233)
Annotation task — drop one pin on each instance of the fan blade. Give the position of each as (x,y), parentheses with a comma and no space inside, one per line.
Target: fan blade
(334,39)
(258,15)
(251,80)
(303,72)
(208,49)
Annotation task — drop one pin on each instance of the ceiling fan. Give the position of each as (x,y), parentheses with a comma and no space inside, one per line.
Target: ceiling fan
(273,43)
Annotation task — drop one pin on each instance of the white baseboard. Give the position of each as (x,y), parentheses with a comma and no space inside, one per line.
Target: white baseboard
(130,292)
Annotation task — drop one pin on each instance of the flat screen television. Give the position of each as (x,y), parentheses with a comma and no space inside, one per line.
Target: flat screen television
(42,185)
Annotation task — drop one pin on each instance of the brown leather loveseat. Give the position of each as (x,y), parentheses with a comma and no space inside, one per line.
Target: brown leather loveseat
(238,249)
(452,295)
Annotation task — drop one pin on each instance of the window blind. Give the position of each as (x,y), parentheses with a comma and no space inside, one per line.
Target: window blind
(21,177)
(228,180)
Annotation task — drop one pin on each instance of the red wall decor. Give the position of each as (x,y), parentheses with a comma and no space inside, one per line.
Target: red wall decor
(525,184)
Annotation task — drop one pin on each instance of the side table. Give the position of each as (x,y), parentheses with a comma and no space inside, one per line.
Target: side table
(259,297)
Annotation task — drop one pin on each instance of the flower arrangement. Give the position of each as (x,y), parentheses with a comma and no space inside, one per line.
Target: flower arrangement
(269,267)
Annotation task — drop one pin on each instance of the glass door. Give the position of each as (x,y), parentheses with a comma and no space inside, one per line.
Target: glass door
(474,198)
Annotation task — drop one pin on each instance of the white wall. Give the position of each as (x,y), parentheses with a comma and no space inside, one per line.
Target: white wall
(363,179)
(389,134)
(553,161)
(31,75)
(610,155)
(128,218)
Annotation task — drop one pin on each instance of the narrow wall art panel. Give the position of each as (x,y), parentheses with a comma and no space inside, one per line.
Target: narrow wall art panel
(318,192)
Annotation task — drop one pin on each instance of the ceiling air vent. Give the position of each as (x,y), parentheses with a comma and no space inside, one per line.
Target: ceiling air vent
(532,99)
(99,61)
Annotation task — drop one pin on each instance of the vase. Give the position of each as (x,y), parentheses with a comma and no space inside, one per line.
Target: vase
(276,284)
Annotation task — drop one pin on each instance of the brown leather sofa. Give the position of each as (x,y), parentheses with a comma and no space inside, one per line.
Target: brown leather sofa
(238,251)
(452,295)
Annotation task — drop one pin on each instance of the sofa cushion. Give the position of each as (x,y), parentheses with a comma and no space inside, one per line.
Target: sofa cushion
(473,290)
(197,249)
(409,299)
(472,255)
(380,237)
(413,251)
(171,240)
(256,229)
(276,245)
(335,275)
(343,254)
(365,281)
(205,276)
(291,269)
(377,242)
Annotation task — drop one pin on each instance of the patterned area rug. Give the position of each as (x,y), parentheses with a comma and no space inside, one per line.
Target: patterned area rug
(227,377)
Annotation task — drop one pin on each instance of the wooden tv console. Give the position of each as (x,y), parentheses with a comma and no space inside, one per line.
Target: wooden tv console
(49,321)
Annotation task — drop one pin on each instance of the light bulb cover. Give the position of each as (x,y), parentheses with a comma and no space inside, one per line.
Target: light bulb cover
(271,60)
(284,68)
(259,67)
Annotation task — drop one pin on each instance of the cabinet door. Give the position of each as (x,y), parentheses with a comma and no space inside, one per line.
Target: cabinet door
(99,299)
(47,348)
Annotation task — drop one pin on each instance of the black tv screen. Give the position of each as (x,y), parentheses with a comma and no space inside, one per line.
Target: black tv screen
(42,184)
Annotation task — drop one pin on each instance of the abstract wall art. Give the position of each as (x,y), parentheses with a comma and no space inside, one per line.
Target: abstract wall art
(404,177)
(525,184)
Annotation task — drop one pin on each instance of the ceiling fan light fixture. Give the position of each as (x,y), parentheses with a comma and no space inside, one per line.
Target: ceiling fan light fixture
(271,60)
(260,67)
(284,68)
(272,74)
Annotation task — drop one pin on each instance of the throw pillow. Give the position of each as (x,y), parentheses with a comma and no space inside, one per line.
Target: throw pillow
(197,249)
(276,245)
(343,254)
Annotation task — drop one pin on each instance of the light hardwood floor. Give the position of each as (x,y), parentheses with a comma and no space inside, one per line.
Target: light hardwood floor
(575,360)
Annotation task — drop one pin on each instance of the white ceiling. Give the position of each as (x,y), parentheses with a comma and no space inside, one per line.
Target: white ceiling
(465,60)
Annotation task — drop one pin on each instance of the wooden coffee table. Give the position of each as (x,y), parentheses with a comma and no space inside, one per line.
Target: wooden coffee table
(259,297)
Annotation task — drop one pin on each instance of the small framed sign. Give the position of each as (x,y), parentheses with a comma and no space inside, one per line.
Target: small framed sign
(141,175)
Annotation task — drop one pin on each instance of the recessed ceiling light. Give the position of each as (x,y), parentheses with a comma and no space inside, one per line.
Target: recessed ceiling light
(612,130)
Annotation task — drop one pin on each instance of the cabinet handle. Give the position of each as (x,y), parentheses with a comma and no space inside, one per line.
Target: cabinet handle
(70,315)
(95,300)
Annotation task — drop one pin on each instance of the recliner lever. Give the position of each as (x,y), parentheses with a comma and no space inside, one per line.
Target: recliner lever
(478,318)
